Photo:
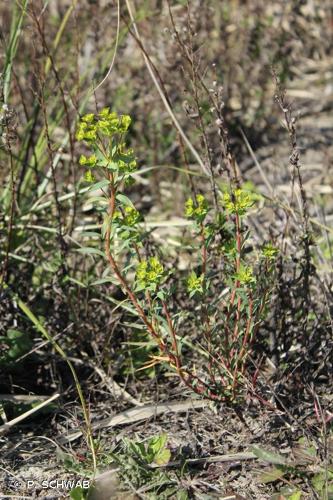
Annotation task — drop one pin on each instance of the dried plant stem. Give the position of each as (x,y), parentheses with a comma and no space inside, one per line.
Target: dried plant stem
(295,163)
(62,243)
(114,53)
(51,64)
(4,273)
(163,97)
(203,249)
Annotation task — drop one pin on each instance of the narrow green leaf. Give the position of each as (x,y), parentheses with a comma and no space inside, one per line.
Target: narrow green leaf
(91,251)
(157,443)
(163,457)
(98,199)
(75,281)
(271,475)
(78,493)
(102,281)
(99,185)
(297,495)
(124,200)
(90,234)
(268,456)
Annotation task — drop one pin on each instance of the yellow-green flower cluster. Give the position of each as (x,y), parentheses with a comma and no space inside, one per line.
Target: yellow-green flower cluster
(245,275)
(150,273)
(87,129)
(195,284)
(110,123)
(88,161)
(125,159)
(196,209)
(105,123)
(238,202)
(104,133)
(89,176)
(269,251)
(130,217)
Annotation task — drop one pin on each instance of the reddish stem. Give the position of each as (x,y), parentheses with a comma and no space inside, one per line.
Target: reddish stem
(114,266)
(203,249)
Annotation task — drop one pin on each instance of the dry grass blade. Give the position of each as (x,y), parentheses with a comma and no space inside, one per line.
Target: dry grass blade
(115,389)
(22,398)
(6,427)
(138,414)
(256,162)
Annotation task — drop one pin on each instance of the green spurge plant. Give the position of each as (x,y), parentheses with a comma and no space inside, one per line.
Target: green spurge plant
(223,285)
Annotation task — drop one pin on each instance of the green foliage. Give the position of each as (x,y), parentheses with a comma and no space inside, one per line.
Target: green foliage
(149,274)
(104,134)
(196,209)
(89,176)
(245,275)
(238,202)
(195,284)
(127,221)
(12,44)
(151,288)
(270,252)
(153,450)
(268,456)
(224,233)
(137,462)
(14,345)
(322,481)
(130,218)
(138,352)
(79,493)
